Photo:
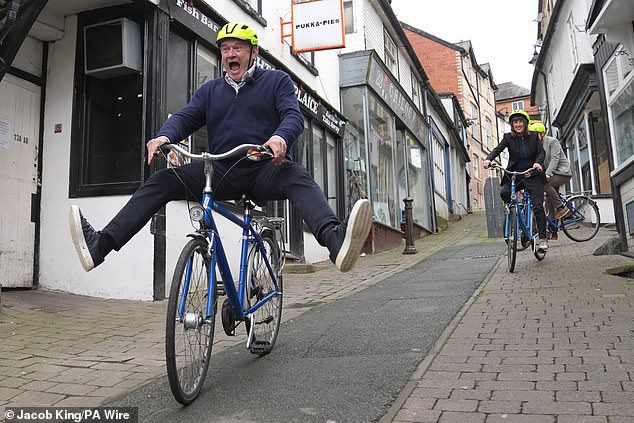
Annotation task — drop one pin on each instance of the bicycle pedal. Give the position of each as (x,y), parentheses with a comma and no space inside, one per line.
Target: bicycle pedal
(228,315)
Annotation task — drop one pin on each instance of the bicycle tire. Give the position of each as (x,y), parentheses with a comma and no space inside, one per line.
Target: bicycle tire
(539,254)
(512,238)
(586,229)
(187,364)
(267,318)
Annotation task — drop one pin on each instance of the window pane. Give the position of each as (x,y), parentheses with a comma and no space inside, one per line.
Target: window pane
(623,116)
(177,73)
(625,62)
(601,155)
(354,147)
(611,77)
(206,70)
(114,129)
(318,156)
(348,17)
(382,181)
(574,163)
(439,167)
(331,163)
(419,189)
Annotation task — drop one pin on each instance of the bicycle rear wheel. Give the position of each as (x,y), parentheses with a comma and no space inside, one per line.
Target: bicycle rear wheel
(266,319)
(512,238)
(189,335)
(582,222)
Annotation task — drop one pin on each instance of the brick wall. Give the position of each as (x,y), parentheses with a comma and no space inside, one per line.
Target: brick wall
(439,61)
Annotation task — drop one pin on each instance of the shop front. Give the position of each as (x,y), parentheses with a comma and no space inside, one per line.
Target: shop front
(104,113)
(386,155)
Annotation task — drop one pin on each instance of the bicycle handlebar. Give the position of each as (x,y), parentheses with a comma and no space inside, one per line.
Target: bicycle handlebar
(511,172)
(204,156)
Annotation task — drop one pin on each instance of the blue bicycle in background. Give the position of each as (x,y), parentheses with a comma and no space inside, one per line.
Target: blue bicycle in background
(192,305)
(519,223)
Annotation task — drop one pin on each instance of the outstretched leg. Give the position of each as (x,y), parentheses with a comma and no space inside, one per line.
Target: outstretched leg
(291,181)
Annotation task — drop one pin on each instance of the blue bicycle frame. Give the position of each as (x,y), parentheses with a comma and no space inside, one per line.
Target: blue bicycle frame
(219,258)
(524,213)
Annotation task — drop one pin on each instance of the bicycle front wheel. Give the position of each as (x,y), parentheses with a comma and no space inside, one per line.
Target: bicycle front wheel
(189,332)
(583,220)
(260,284)
(512,238)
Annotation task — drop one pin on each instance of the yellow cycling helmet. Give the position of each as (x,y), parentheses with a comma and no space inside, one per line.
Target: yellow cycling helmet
(519,114)
(537,126)
(239,31)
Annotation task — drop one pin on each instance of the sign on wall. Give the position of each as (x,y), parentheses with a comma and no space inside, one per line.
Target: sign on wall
(317,25)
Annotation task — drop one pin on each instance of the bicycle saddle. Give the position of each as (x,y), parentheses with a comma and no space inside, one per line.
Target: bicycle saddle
(248,198)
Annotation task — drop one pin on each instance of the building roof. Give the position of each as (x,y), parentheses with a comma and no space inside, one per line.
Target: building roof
(509,90)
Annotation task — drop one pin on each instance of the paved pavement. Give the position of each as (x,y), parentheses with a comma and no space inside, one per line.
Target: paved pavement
(551,342)
(68,350)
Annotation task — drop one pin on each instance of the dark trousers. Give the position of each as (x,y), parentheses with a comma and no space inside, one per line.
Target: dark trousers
(552,198)
(535,186)
(262,181)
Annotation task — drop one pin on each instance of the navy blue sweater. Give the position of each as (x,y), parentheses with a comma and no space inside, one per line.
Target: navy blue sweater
(264,107)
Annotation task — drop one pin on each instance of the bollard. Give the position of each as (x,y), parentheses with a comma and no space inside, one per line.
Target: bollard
(410,248)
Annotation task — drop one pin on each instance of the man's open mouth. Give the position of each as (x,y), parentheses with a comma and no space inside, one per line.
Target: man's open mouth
(234,66)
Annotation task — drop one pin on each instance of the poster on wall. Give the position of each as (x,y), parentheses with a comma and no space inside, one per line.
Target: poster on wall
(5,134)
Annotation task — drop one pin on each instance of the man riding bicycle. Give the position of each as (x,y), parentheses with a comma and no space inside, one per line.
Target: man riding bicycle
(558,172)
(525,153)
(246,105)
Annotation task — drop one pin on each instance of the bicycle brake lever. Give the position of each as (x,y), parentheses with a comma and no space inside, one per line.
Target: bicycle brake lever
(263,153)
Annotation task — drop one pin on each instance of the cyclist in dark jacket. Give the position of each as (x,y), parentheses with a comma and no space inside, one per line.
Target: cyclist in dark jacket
(525,152)
(246,105)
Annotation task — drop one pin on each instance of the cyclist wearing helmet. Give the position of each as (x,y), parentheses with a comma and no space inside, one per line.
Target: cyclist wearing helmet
(246,105)
(525,152)
(557,172)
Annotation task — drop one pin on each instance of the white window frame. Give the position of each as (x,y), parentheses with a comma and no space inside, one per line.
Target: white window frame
(488,131)
(517,105)
(390,53)
(623,83)
(349,27)
(476,166)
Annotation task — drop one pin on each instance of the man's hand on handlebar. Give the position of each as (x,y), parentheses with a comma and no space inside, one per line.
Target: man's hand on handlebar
(278,147)
(486,164)
(153,147)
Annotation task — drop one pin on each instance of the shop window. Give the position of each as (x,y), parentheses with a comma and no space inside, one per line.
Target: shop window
(391,54)
(331,169)
(348,17)
(107,142)
(417,182)
(584,156)
(619,81)
(382,180)
(354,147)
(573,156)
(600,154)
(439,167)
(318,143)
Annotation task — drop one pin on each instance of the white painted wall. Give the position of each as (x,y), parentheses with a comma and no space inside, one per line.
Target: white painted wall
(560,54)
(124,275)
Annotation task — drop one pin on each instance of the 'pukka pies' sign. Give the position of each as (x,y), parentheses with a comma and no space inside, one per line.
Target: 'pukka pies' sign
(317,25)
